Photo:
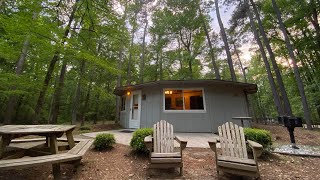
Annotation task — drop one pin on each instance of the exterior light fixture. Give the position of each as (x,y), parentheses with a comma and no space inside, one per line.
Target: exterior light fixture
(128,93)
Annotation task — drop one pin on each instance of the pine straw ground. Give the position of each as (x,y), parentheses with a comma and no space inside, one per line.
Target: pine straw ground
(122,163)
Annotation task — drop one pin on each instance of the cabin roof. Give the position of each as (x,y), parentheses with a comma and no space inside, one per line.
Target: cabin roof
(247,87)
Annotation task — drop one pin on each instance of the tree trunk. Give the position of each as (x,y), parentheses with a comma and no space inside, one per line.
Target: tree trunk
(129,75)
(77,95)
(119,76)
(19,67)
(241,66)
(143,50)
(275,94)
(53,61)
(213,60)
(225,41)
(83,113)
(314,20)
(287,106)
(58,93)
(160,68)
(300,85)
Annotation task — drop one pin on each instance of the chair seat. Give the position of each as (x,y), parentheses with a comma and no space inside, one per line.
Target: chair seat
(236,160)
(174,157)
(237,163)
(166,160)
(165,155)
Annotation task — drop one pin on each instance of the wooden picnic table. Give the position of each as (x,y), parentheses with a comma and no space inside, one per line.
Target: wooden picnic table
(242,119)
(51,132)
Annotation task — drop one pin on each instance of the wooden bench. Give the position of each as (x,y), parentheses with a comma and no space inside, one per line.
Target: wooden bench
(39,160)
(73,155)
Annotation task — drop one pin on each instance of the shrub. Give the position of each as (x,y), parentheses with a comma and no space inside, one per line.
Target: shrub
(137,141)
(104,141)
(82,128)
(260,136)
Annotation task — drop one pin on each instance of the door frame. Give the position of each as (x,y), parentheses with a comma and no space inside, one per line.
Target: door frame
(138,92)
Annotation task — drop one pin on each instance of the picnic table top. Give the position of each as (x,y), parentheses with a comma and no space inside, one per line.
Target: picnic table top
(29,129)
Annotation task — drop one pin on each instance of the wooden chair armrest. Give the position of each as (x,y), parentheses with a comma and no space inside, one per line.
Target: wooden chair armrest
(182,142)
(213,144)
(256,148)
(148,142)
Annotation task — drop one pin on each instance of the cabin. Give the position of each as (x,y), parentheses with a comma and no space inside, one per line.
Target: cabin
(189,105)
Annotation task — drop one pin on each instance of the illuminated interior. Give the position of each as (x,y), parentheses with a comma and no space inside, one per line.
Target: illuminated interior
(183,99)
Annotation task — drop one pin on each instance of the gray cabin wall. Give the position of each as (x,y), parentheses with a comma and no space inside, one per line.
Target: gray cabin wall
(225,104)
(150,107)
(222,103)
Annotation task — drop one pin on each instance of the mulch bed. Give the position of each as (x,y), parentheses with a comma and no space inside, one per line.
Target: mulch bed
(121,163)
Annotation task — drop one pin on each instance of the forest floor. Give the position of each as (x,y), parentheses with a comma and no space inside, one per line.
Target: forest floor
(121,163)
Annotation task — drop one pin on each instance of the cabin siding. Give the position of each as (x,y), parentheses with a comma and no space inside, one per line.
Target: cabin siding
(222,103)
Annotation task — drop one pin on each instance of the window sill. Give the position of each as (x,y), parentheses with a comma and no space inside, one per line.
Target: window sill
(184,111)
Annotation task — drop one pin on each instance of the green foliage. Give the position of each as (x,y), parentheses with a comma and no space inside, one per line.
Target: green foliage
(104,141)
(260,136)
(82,128)
(137,141)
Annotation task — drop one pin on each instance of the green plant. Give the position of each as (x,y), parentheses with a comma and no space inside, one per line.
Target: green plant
(137,141)
(104,141)
(260,136)
(82,128)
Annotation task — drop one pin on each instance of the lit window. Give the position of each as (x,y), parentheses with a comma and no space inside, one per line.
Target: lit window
(187,99)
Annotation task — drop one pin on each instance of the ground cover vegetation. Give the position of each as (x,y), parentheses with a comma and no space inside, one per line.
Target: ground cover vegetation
(60,60)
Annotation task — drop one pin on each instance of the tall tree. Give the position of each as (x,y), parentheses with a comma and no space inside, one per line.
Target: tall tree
(211,53)
(272,83)
(297,76)
(287,106)
(225,41)
(50,70)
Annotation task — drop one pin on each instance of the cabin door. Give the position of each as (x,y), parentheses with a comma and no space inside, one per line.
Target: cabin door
(135,109)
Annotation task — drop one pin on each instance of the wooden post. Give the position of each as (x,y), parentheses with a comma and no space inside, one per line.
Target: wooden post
(4,142)
(54,150)
(70,139)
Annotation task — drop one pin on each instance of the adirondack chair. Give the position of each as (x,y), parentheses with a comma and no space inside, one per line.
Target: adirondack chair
(163,154)
(234,157)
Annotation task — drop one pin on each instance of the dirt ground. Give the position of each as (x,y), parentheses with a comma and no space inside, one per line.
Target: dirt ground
(122,163)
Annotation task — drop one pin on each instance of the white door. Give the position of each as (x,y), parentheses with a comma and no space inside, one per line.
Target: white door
(135,109)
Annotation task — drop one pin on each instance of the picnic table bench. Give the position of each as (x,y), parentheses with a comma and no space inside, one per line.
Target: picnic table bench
(51,132)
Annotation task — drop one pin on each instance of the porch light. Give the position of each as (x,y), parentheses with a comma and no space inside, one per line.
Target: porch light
(128,93)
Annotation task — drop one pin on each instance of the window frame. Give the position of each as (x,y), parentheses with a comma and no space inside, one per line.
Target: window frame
(183,111)
(123,108)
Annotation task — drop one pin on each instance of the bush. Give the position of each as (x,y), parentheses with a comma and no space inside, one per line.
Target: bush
(260,136)
(137,141)
(104,141)
(82,128)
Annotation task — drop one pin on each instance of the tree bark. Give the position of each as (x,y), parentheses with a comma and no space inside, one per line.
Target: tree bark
(83,113)
(19,66)
(213,60)
(143,51)
(287,106)
(129,75)
(119,76)
(77,95)
(53,61)
(58,93)
(225,41)
(297,76)
(241,66)
(275,94)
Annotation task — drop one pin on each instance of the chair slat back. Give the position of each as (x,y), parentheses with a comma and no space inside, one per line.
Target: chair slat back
(232,140)
(163,137)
